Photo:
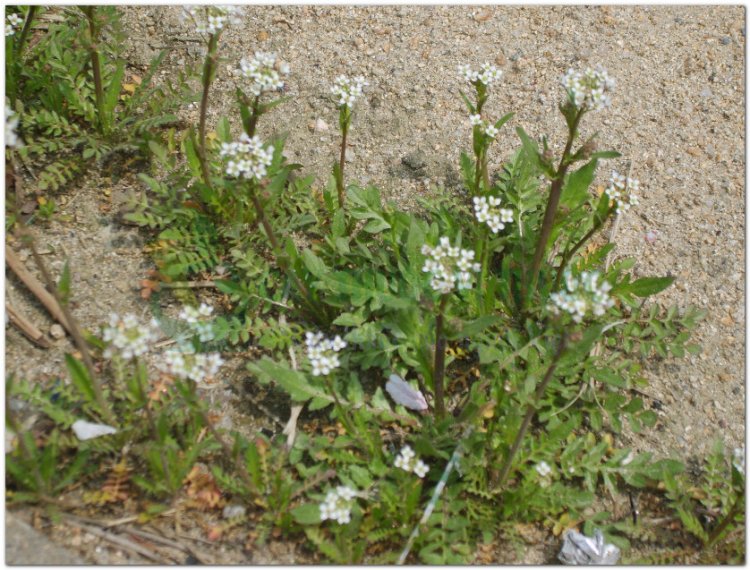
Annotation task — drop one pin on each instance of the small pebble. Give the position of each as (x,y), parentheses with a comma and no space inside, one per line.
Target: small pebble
(57,332)
(233,511)
(726,41)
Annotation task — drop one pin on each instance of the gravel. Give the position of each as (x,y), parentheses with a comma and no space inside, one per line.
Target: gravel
(677,116)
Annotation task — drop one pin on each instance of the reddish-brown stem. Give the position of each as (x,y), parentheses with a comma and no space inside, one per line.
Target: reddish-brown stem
(530,411)
(208,71)
(552,204)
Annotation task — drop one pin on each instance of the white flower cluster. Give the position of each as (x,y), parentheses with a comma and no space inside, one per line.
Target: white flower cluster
(196,318)
(487,212)
(589,88)
(487,74)
(450,266)
(582,295)
(405,461)
(11,124)
(621,190)
(264,72)
(127,337)
(322,352)
(338,505)
(187,365)
(738,459)
(348,90)
(212,19)
(543,468)
(13,22)
(488,129)
(248,158)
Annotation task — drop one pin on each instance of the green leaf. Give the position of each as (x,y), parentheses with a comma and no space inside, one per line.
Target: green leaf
(293,381)
(223,130)
(575,192)
(113,92)
(80,377)
(504,120)
(606,154)
(192,155)
(314,264)
(647,286)
(63,286)
(309,513)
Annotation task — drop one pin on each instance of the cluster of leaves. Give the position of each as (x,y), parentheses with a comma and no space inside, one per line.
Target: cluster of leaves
(65,124)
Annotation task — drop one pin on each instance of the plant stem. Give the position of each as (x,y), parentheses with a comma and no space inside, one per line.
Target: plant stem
(90,12)
(571,252)
(439,368)
(531,410)
(12,420)
(74,330)
(342,163)
(726,521)
(253,123)
(346,418)
(279,253)
(141,374)
(208,71)
(552,203)
(435,497)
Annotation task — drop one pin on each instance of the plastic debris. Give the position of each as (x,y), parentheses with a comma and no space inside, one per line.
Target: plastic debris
(578,549)
(86,430)
(404,394)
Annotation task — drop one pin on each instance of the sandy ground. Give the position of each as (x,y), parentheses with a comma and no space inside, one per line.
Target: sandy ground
(678,114)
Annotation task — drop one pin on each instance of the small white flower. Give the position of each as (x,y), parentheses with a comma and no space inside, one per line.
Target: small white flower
(188,365)
(407,460)
(13,22)
(264,72)
(248,158)
(475,120)
(583,296)
(490,131)
(487,212)
(622,191)
(421,469)
(322,352)
(738,459)
(11,124)
(213,18)
(127,338)
(487,74)
(450,266)
(348,90)
(337,505)
(543,469)
(589,89)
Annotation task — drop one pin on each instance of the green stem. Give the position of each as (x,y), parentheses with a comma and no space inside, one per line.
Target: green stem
(342,162)
(726,521)
(96,67)
(531,411)
(485,266)
(208,72)
(552,204)
(142,376)
(194,404)
(281,259)
(568,255)
(346,418)
(438,375)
